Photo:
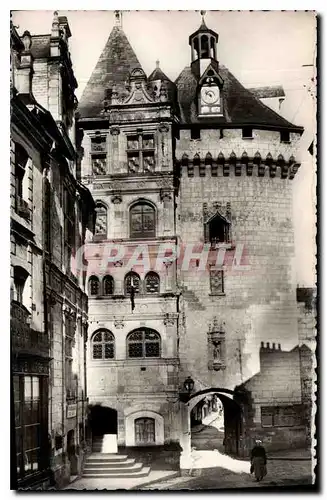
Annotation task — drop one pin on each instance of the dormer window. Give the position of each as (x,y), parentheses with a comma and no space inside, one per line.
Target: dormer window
(210,101)
(209,93)
(217,230)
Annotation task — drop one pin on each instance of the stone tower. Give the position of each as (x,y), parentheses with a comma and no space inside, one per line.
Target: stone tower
(204,165)
(127,123)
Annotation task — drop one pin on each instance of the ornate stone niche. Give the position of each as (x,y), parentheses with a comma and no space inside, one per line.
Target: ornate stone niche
(216,346)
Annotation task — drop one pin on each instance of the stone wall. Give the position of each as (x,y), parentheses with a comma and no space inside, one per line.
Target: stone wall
(276,386)
(258,301)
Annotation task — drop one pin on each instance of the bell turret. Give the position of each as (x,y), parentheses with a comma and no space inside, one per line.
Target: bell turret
(203,44)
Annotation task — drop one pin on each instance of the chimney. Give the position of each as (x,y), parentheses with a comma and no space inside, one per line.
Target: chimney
(274,345)
(55,36)
(268,345)
(25,70)
(279,347)
(262,345)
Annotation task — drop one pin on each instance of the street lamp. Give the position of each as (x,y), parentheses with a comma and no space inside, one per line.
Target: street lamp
(188,387)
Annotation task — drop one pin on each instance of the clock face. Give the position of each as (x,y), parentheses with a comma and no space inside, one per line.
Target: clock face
(210,95)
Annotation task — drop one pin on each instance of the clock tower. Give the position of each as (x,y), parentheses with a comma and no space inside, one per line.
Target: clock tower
(205,68)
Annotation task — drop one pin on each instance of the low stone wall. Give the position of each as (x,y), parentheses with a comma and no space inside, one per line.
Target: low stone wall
(278,438)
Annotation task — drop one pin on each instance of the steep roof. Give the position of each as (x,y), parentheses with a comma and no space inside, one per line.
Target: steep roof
(241,106)
(113,67)
(158,74)
(267,92)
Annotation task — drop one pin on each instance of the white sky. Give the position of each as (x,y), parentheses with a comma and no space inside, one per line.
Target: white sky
(259,48)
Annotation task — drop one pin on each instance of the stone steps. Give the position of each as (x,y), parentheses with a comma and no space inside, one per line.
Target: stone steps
(106,465)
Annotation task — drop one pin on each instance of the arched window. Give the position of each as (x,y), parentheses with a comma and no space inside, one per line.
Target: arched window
(142,221)
(144,430)
(212,47)
(94,285)
(103,345)
(108,285)
(152,283)
(143,343)
(204,47)
(132,279)
(101,220)
(20,277)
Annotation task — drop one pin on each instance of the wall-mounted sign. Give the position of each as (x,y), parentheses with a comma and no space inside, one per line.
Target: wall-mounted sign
(71,411)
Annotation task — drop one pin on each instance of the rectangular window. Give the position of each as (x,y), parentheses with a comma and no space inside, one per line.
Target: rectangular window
(98,144)
(21,161)
(135,350)
(217,281)
(99,164)
(267,415)
(281,416)
(144,430)
(47,215)
(247,133)
(27,424)
(285,136)
(140,153)
(69,227)
(99,154)
(69,343)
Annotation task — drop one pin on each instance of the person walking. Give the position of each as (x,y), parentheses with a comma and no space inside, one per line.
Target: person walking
(258,461)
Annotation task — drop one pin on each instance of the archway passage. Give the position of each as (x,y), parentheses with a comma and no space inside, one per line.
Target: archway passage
(216,422)
(103,420)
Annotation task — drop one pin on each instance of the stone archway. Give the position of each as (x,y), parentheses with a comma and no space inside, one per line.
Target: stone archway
(233,422)
(103,420)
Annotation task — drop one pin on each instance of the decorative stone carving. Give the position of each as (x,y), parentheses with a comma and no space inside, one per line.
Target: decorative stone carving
(119,324)
(66,310)
(164,182)
(165,195)
(216,208)
(169,320)
(114,116)
(116,198)
(216,345)
(163,127)
(114,131)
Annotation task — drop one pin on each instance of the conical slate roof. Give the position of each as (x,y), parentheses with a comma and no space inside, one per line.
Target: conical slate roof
(117,60)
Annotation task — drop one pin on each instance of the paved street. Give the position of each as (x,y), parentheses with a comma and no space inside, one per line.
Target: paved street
(280,473)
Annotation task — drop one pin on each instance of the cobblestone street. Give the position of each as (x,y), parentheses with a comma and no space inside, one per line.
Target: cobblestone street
(280,473)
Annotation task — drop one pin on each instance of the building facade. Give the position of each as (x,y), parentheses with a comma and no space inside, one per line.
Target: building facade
(51,214)
(199,167)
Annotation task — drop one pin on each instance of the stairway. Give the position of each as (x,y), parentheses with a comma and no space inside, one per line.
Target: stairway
(112,465)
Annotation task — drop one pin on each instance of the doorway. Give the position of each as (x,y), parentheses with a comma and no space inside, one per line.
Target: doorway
(103,420)
(216,424)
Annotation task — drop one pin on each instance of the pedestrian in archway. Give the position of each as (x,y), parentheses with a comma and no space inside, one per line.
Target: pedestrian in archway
(258,461)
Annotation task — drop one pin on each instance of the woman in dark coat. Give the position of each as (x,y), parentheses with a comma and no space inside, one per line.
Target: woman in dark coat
(258,461)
